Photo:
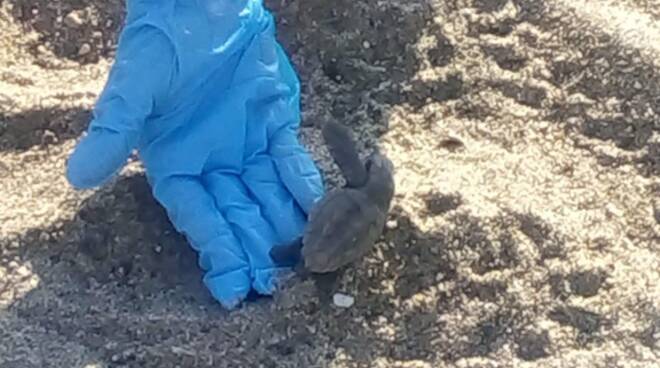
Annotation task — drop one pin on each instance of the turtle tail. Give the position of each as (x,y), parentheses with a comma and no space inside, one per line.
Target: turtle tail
(343,149)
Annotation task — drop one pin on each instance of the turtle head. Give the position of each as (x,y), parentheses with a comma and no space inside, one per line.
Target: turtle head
(380,185)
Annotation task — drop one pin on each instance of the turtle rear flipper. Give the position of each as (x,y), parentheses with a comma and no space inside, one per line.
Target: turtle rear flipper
(344,151)
(287,255)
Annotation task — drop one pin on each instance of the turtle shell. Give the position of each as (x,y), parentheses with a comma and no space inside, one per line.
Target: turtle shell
(341,229)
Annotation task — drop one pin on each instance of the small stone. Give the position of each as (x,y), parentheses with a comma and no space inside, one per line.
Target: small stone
(84,49)
(638,85)
(48,138)
(22,271)
(343,300)
(73,20)
(533,346)
(586,284)
(44,237)
(392,224)
(158,249)
(366,44)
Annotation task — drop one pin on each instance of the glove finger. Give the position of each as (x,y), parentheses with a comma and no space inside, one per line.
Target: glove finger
(97,157)
(249,224)
(193,213)
(144,59)
(296,168)
(277,204)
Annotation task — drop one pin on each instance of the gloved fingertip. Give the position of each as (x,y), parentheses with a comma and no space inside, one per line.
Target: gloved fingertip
(229,289)
(314,192)
(296,168)
(76,176)
(265,280)
(96,158)
(79,171)
(303,180)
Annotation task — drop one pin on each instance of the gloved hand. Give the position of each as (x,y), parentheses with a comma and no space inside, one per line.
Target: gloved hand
(206,95)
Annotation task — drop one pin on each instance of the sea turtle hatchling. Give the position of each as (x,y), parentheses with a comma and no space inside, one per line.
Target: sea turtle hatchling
(345,224)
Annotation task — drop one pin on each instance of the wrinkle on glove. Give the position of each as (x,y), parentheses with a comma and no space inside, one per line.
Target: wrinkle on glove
(207,96)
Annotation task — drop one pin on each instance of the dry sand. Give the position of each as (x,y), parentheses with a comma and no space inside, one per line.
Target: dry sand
(525,231)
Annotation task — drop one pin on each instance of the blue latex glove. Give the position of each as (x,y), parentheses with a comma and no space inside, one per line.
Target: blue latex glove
(204,92)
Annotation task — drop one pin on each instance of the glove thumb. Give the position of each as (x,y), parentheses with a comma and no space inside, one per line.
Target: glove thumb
(97,157)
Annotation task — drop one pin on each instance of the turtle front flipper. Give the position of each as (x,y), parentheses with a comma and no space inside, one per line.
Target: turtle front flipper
(287,255)
(344,151)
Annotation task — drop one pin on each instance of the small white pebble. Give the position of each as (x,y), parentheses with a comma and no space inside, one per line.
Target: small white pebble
(366,44)
(343,300)
(392,224)
(44,237)
(73,20)
(84,49)
(23,271)
(158,249)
